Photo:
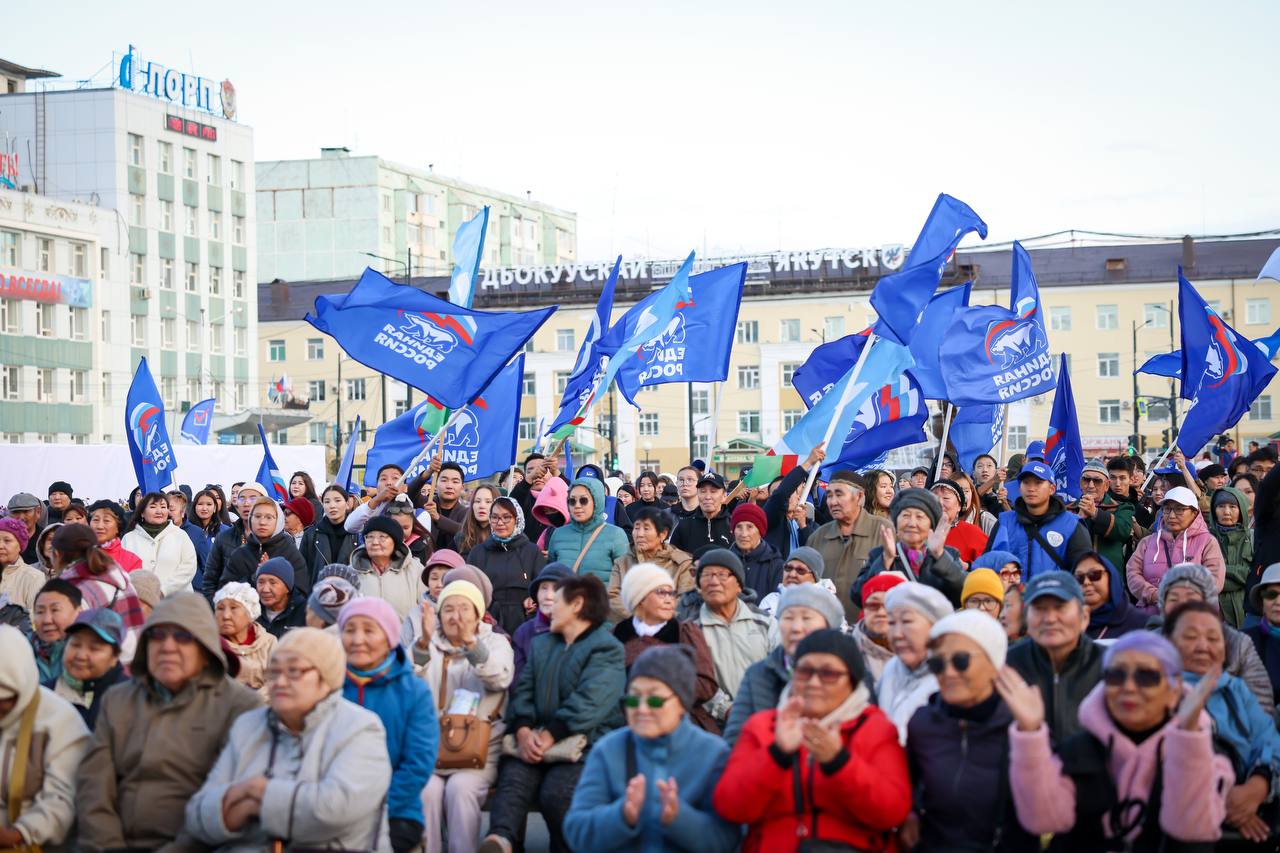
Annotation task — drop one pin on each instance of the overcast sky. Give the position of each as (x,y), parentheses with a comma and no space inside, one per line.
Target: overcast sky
(749,126)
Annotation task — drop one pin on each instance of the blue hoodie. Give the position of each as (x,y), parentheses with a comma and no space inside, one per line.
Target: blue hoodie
(567,542)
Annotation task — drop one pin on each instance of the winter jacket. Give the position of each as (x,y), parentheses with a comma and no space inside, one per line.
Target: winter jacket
(900,692)
(573,689)
(566,545)
(1117,617)
(959,763)
(687,634)
(22,584)
(326,785)
(1110,529)
(1016,530)
(169,554)
(486,670)
(522,641)
(762,564)
(1266,527)
(224,545)
(676,562)
(696,532)
(244,561)
(400,584)
(404,704)
(775,514)
(846,556)
(1236,545)
(114,590)
(86,696)
(1240,724)
(150,751)
(253,657)
(294,615)
(1266,642)
(202,542)
(1079,792)
(945,573)
(1159,551)
(692,758)
(761,686)
(318,545)
(858,798)
(736,644)
(1245,662)
(50,807)
(509,566)
(523,495)
(123,557)
(1062,691)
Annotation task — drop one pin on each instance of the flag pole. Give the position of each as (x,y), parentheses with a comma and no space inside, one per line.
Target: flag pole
(942,446)
(1004,434)
(1151,472)
(715,421)
(845,396)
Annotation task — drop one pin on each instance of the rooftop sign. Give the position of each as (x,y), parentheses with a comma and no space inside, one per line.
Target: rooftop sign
(176,87)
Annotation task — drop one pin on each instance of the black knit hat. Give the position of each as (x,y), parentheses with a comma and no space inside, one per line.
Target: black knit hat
(111,507)
(389,526)
(832,642)
(953,486)
(60,486)
(922,499)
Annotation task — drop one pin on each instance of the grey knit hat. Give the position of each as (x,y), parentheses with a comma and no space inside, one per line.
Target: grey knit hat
(810,557)
(672,665)
(921,499)
(814,597)
(329,596)
(723,558)
(1193,575)
(339,570)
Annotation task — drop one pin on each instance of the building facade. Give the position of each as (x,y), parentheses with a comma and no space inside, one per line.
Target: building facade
(332,216)
(158,153)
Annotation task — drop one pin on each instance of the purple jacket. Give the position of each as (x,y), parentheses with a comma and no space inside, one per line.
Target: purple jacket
(523,640)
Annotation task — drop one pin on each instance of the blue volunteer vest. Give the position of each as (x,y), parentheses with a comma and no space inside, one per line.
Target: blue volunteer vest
(1013,536)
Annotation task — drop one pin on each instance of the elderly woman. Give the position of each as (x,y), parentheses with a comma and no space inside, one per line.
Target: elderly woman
(468,667)
(91,661)
(966,537)
(510,561)
(1229,525)
(1183,537)
(588,543)
(266,540)
(649,595)
(1140,774)
(915,547)
(803,565)
(872,630)
(650,529)
(309,772)
(237,608)
(386,568)
(159,734)
(567,698)
(648,786)
(1265,599)
(1110,613)
(957,744)
(163,546)
(1196,630)
(380,677)
(17,580)
(825,765)
(84,564)
(907,682)
(107,520)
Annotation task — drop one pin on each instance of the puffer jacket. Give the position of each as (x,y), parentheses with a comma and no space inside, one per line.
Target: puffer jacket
(676,562)
(325,788)
(317,545)
(1240,723)
(224,545)
(1236,545)
(761,686)
(244,561)
(49,806)
(695,532)
(400,584)
(573,689)
(123,557)
(22,584)
(569,544)
(150,752)
(509,566)
(1159,551)
(169,554)
(901,692)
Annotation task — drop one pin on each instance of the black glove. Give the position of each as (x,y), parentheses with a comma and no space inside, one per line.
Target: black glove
(405,834)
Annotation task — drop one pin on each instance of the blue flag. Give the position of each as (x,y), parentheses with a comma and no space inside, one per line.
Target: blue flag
(975,430)
(568,470)
(826,365)
(1271,269)
(930,330)
(448,352)
(343,477)
(1063,450)
(148,438)
(1225,372)
(196,425)
(900,296)
(992,354)
(468,249)
(1170,363)
(894,416)
(592,359)
(269,476)
(481,439)
(695,345)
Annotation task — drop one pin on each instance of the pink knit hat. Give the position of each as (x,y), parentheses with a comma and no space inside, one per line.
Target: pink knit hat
(376,609)
(17,529)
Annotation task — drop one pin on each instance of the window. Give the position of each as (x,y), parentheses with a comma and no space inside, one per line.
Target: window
(9,243)
(1155,315)
(1107,317)
(701,447)
(386,202)
(79,323)
(275,350)
(241,394)
(45,322)
(527,429)
(45,390)
(1260,410)
(137,211)
(9,382)
(748,376)
(166,273)
(215,338)
(166,215)
(748,332)
(192,220)
(400,405)
(648,423)
(48,438)
(106,389)
(16,438)
(10,316)
(1108,365)
(44,254)
(79,260)
(790,417)
(315,349)
(788,372)
(138,329)
(193,390)
(215,169)
(103,257)
(168,332)
(193,277)
(315,390)
(242,340)
(78,381)
(564,340)
(215,281)
(788,330)
(1017,438)
(237,284)
(833,328)
(1108,411)
(351,431)
(700,401)
(317,432)
(386,233)
(237,230)
(355,389)
(1257,312)
(562,380)
(137,269)
(1060,318)
(104,333)
(166,158)
(193,336)
(237,175)
(530,387)
(215,225)
(136,150)
(169,392)
(749,421)
(189,163)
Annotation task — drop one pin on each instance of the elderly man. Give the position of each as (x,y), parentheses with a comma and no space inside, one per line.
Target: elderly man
(709,526)
(1108,520)
(1039,530)
(28,509)
(846,540)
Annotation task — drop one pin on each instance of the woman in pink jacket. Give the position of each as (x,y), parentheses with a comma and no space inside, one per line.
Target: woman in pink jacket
(1142,771)
(1183,537)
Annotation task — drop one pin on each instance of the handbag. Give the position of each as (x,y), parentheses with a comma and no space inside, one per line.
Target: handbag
(464,738)
(20,779)
(566,751)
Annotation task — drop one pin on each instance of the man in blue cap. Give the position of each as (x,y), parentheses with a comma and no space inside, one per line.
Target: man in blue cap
(1039,530)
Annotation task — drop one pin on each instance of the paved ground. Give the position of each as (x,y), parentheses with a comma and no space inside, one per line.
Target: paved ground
(536,838)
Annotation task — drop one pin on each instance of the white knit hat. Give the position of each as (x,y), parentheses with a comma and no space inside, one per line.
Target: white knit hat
(642,579)
(983,629)
(243,594)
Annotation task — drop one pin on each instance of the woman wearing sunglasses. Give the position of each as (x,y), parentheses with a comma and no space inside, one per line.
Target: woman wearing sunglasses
(1265,600)
(588,543)
(1111,615)
(648,786)
(825,765)
(1140,774)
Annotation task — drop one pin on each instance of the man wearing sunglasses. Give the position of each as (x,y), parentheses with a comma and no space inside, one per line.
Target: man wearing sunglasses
(1109,522)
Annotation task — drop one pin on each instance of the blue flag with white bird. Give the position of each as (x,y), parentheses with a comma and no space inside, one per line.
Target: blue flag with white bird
(1063,450)
(146,433)
(592,359)
(343,477)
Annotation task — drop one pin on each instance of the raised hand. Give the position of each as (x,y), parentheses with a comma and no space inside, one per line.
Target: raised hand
(428,621)
(788,731)
(633,800)
(938,537)
(1023,700)
(888,546)
(816,456)
(669,796)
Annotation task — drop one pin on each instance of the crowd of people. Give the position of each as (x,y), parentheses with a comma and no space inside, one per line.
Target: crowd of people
(948,660)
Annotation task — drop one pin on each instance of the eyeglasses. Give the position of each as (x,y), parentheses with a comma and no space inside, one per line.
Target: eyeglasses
(1011,573)
(959,662)
(805,672)
(1144,678)
(181,636)
(653,702)
(1095,481)
(981,602)
(664,592)
(579,501)
(796,569)
(719,577)
(1271,593)
(499,518)
(292,673)
(1092,575)
(1172,508)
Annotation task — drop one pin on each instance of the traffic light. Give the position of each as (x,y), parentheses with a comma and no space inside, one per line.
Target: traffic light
(1166,435)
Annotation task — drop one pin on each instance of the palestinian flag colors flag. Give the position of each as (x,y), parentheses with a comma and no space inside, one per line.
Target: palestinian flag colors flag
(769,467)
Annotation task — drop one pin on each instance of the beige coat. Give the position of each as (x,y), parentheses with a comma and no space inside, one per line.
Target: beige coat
(400,585)
(22,583)
(677,563)
(253,659)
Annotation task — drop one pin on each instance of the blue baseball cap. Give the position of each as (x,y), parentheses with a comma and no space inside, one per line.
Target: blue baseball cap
(1036,469)
(1035,450)
(1060,585)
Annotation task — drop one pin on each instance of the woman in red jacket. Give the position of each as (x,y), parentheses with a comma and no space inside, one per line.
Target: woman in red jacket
(825,746)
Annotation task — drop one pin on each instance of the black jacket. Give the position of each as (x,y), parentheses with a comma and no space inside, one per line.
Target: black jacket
(294,615)
(697,532)
(1266,530)
(1064,691)
(763,566)
(775,514)
(318,545)
(244,561)
(224,545)
(510,566)
(945,573)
